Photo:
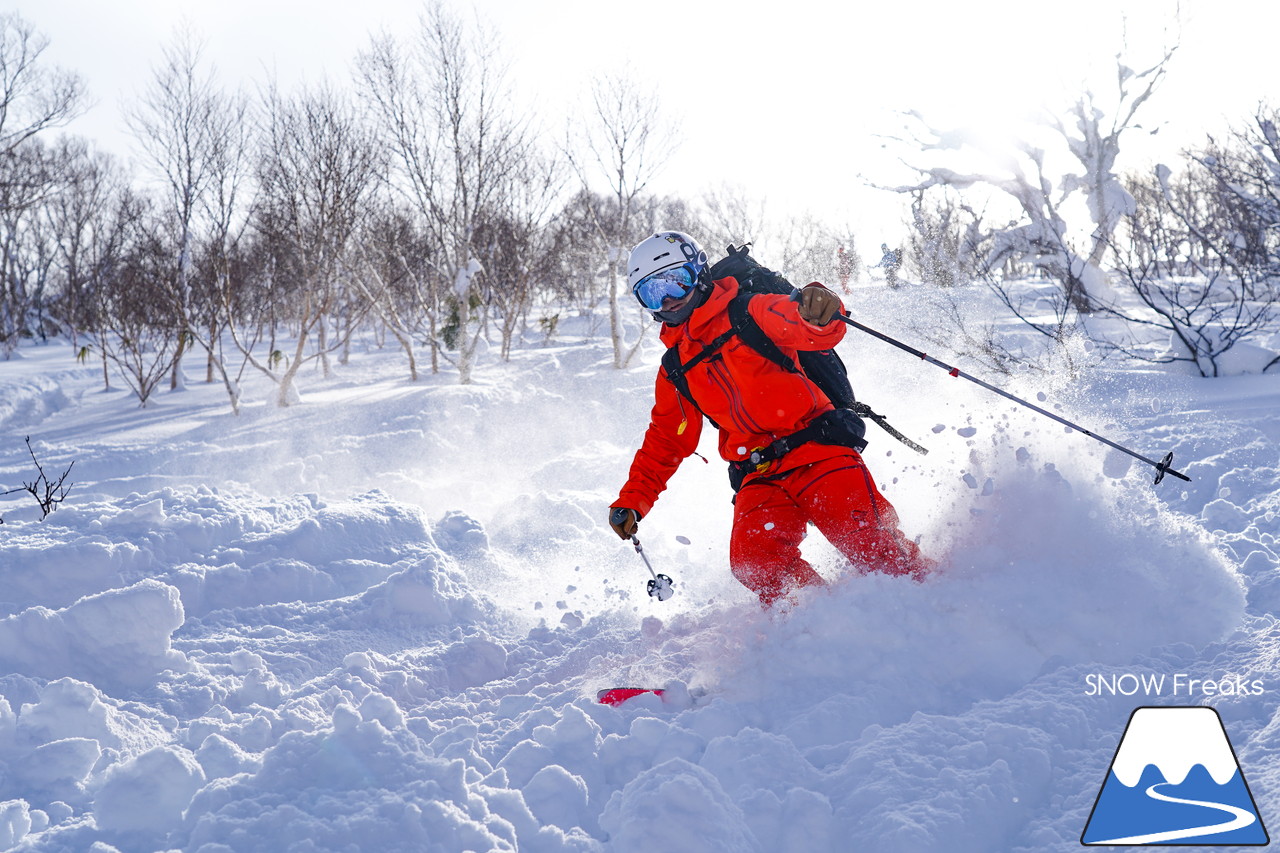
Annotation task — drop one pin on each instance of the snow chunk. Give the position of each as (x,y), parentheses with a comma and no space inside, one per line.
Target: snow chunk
(371,526)
(460,535)
(15,822)
(426,592)
(1222,515)
(656,809)
(68,710)
(60,762)
(752,756)
(357,785)
(557,797)
(382,708)
(119,638)
(149,513)
(220,758)
(1116,465)
(147,795)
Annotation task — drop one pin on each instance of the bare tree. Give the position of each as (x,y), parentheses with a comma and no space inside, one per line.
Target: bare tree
(513,247)
(136,329)
(945,246)
(729,214)
(82,215)
(228,205)
(381,271)
(1195,291)
(806,249)
(623,140)
(194,141)
(27,248)
(48,493)
(318,163)
(1245,172)
(33,96)
(581,271)
(444,108)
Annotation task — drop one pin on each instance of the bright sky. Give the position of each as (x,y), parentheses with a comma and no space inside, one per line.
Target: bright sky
(788,99)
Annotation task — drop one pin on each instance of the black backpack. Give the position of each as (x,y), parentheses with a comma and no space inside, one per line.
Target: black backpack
(823,367)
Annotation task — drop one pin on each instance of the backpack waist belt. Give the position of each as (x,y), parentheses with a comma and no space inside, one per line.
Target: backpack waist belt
(840,427)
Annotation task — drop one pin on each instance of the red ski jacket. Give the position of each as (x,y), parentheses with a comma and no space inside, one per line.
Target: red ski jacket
(752,399)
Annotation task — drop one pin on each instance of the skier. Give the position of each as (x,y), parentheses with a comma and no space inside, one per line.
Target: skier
(821,478)
(844,269)
(891,260)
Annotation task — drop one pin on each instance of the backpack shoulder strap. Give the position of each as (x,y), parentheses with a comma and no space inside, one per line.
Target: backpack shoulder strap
(741,321)
(676,374)
(741,324)
(677,371)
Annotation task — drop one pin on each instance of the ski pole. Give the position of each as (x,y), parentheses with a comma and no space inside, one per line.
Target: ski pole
(1164,466)
(659,586)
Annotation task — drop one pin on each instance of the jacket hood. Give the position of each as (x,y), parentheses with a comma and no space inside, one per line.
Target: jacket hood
(701,318)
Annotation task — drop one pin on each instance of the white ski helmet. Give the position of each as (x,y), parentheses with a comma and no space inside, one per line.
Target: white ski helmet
(668,264)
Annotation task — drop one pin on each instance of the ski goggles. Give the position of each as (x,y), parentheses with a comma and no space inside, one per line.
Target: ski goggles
(673,283)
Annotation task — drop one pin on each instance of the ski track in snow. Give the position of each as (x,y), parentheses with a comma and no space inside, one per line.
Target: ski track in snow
(377,620)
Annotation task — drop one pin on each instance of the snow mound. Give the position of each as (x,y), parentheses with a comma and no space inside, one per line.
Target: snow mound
(29,399)
(404,655)
(426,592)
(119,639)
(144,797)
(360,785)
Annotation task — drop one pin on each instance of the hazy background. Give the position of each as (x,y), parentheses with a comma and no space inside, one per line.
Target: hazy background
(815,85)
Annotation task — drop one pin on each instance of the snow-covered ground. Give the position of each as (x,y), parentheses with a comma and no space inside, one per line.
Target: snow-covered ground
(377,620)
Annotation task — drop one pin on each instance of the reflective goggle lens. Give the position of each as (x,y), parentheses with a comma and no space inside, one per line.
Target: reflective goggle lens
(673,283)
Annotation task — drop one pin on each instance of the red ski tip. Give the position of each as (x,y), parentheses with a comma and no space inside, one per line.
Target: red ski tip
(617,695)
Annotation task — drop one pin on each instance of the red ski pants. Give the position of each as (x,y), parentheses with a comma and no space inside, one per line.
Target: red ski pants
(839,497)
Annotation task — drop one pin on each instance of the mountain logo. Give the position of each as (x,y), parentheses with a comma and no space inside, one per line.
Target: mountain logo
(1175,780)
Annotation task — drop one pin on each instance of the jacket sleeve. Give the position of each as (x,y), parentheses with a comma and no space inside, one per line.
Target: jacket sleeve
(779,317)
(674,428)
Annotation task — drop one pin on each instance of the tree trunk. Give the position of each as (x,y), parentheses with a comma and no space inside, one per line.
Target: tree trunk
(615,323)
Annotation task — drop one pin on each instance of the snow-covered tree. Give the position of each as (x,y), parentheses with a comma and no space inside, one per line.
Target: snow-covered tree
(1047,232)
(1197,262)
(1245,171)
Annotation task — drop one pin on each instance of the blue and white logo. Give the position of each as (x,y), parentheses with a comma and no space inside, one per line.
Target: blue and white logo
(1175,780)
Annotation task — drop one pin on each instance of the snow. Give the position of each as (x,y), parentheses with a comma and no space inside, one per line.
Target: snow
(377,620)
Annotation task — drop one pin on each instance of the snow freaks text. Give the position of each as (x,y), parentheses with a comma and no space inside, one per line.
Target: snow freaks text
(1178,684)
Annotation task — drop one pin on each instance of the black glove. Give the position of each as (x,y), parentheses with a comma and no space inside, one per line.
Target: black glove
(818,305)
(624,521)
